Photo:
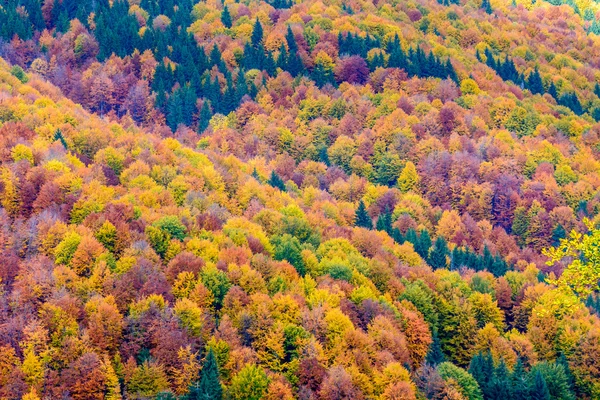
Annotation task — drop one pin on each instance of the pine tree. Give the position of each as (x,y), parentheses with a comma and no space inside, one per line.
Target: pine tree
(552,91)
(539,388)
(423,244)
(276,181)
(487,7)
(384,221)
(518,382)
(209,386)
(435,355)
(439,252)
(204,118)
(362,217)
(58,135)
(534,82)
(226,17)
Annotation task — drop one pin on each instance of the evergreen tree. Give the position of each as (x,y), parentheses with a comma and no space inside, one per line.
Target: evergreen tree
(384,221)
(293,63)
(487,7)
(209,386)
(257,34)
(226,17)
(276,181)
(423,244)
(534,82)
(482,369)
(438,254)
(518,382)
(539,389)
(204,118)
(558,233)
(552,91)
(397,235)
(597,89)
(362,217)
(499,387)
(435,355)
(58,135)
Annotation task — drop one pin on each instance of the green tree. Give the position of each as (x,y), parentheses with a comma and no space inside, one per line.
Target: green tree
(208,387)
(539,389)
(226,17)
(287,247)
(362,217)
(439,253)
(435,355)
(249,384)
(384,221)
(468,386)
(276,181)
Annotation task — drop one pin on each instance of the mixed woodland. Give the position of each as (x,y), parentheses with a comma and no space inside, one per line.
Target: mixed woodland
(314,199)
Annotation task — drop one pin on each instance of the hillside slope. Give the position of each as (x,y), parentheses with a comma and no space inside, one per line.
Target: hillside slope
(312,200)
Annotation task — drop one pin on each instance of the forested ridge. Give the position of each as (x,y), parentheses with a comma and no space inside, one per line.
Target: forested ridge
(299,199)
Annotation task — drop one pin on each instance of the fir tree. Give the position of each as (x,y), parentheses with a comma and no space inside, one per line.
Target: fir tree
(58,135)
(362,217)
(439,251)
(204,118)
(487,7)
(518,382)
(534,82)
(257,34)
(539,388)
(209,386)
(435,355)
(597,89)
(552,91)
(384,221)
(226,17)
(423,244)
(276,181)
(499,387)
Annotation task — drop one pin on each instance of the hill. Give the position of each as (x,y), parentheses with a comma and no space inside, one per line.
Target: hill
(313,200)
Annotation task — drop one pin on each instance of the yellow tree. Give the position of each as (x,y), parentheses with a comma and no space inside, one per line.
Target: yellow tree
(409,178)
(583,273)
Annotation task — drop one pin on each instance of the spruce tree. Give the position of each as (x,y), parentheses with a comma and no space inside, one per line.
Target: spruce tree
(204,118)
(58,135)
(257,34)
(499,388)
(435,355)
(226,17)
(384,221)
(534,82)
(539,388)
(208,387)
(362,217)
(276,181)
(423,244)
(487,6)
(518,382)
(439,251)
(552,91)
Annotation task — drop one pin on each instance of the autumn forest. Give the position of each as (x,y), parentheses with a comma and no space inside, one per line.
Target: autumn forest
(300,199)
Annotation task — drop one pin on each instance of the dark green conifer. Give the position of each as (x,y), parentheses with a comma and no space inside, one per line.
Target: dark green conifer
(363,219)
